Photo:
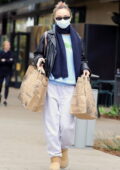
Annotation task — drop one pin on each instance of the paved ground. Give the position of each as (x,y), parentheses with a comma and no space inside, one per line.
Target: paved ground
(22,142)
(107,128)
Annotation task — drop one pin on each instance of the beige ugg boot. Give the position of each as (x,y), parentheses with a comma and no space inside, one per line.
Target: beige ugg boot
(64,159)
(55,163)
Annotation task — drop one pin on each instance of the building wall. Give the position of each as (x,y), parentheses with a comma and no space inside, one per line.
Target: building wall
(96,13)
(101,13)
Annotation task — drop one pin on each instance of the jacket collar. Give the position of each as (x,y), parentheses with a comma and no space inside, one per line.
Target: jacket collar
(52,35)
(52,31)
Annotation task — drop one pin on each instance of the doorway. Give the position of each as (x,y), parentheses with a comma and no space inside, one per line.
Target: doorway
(20,44)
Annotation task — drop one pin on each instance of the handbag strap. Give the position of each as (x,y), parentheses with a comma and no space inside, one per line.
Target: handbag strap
(45,41)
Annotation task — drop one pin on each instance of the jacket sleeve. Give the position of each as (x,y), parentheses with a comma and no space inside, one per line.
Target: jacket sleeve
(39,53)
(84,61)
(11,59)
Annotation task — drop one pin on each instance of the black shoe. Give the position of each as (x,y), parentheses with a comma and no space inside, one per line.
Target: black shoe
(5,103)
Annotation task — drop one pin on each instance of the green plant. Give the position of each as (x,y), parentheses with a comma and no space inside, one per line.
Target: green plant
(111,111)
(102,109)
(114,111)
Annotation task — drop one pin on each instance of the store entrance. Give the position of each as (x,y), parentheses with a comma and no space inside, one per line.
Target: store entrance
(20,44)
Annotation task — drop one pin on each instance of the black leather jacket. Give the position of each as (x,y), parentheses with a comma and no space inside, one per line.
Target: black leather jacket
(50,53)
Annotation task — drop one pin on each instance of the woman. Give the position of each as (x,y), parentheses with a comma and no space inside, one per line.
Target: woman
(64,62)
(6,63)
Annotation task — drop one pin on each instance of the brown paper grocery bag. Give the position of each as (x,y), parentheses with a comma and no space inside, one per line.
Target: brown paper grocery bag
(91,106)
(83,103)
(78,103)
(33,90)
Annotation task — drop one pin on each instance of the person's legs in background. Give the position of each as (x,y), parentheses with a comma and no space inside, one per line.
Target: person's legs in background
(6,92)
(1,83)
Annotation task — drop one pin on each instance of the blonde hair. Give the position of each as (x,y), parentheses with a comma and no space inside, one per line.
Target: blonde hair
(4,42)
(61,5)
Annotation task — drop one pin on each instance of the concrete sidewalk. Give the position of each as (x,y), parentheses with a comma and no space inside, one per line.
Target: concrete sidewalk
(23,147)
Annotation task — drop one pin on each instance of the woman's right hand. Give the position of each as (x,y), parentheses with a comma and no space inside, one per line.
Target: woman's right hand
(40,63)
(3,59)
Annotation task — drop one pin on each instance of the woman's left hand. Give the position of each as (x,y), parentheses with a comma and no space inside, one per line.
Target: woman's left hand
(86,73)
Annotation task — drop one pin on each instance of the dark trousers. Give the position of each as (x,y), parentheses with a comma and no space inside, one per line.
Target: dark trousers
(5,77)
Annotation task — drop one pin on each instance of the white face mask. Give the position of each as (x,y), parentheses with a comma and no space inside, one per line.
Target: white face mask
(63,23)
